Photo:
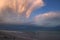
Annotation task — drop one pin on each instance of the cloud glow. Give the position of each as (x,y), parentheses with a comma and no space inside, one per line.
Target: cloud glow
(18,10)
(26,6)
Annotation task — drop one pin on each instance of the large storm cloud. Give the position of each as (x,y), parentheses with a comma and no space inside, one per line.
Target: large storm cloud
(16,11)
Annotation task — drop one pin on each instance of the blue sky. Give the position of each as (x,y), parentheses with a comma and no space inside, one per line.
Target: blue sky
(49,5)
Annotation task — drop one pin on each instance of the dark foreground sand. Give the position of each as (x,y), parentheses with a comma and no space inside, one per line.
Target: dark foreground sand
(41,35)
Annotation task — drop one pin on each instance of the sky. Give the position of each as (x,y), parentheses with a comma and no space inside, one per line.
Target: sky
(48,15)
(49,5)
(39,12)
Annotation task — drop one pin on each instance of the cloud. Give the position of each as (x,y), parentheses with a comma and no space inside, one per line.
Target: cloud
(33,5)
(10,16)
(17,11)
(22,6)
(49,19)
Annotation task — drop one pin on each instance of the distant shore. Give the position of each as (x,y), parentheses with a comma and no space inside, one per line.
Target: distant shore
(20,35)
